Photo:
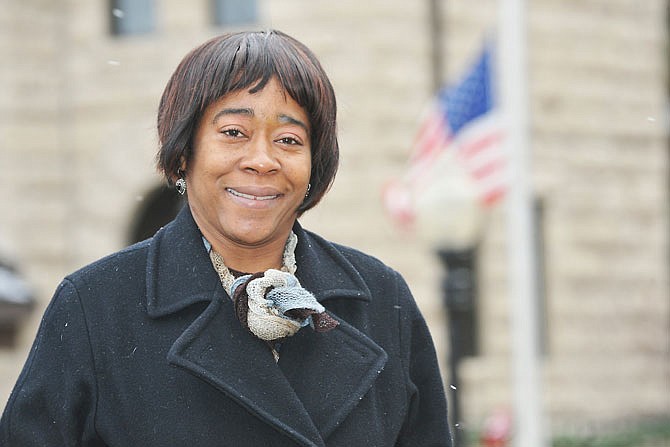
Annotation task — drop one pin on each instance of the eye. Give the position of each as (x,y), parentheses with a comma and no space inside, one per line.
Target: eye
(289,141)
(232,132)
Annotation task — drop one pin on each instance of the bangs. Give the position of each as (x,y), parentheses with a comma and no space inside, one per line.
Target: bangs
(251,60)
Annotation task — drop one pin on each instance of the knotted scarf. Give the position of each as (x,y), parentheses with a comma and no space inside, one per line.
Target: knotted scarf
(272,305)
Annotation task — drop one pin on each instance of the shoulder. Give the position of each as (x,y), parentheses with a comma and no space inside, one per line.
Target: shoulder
(363,262)
(375,271)
(381,279)
(128,263)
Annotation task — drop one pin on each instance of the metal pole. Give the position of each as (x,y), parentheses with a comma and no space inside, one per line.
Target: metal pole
(436,35)
(460,296)
(523,308)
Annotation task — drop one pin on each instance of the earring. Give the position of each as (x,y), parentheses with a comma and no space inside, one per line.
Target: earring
(309,186)
(180,184)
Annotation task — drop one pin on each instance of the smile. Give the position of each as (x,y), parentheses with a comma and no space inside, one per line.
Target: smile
(250,196)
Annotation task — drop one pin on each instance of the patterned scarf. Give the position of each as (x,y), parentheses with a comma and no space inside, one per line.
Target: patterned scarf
(272,305)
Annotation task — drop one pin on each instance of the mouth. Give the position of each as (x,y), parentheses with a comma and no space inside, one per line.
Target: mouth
(251,196)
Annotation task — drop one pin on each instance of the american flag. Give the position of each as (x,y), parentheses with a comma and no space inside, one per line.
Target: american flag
(463,120)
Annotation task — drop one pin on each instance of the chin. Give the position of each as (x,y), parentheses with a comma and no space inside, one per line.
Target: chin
(255,234)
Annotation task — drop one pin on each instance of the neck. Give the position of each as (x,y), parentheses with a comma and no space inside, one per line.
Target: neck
(248,258)
(251,259)
(244,252)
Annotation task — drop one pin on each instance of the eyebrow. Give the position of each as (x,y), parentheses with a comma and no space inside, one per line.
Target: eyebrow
(231,111)
(282,118)
(290,120)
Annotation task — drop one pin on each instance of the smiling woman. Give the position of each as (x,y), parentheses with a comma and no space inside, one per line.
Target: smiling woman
(248,61)
(233,325)
(249,173)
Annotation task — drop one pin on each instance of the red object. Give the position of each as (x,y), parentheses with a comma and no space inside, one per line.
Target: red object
(497,429)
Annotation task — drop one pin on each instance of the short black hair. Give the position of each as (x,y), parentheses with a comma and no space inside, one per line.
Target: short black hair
(248,60)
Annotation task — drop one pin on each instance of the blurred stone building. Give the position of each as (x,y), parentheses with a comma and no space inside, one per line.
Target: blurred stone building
(79,87)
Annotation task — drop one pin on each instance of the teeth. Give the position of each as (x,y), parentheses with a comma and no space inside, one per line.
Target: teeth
(249,196)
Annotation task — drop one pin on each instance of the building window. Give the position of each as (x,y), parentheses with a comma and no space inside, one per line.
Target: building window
(131,16)
(234,12)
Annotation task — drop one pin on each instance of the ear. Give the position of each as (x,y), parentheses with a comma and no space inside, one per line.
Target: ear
(181,170)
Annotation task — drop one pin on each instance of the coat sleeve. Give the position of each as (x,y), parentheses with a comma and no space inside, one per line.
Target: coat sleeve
(53,401)
(426,423)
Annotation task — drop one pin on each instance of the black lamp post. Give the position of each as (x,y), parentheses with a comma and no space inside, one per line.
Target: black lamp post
(459,298)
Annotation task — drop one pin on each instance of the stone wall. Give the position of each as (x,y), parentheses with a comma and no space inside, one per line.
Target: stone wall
(77,113)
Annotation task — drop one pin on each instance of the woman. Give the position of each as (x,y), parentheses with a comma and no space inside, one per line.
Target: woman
(234,326)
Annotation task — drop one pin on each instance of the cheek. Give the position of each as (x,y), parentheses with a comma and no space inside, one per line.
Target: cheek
(303,177)
(307,166)
(211,165)
(298,169)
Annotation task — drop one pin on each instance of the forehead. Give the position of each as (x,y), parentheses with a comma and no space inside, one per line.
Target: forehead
(272,101)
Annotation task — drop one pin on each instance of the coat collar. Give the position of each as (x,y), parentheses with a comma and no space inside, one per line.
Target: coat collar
(179,272)
(177,251)
(289,395)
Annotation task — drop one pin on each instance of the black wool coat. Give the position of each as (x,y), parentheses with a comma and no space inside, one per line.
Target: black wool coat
(142,348)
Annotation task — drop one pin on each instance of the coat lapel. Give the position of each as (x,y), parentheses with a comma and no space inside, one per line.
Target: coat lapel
(307,398)
(331,371)
(217,349)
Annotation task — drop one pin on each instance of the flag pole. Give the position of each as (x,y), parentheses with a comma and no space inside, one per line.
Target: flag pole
(512,69)
(436,35)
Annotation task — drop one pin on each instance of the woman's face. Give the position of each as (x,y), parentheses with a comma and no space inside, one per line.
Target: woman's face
(250,167)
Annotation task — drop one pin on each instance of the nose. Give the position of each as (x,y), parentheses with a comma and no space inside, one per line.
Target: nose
(260,157)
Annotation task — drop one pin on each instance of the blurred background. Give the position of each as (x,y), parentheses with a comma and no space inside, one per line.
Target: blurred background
(80,82)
